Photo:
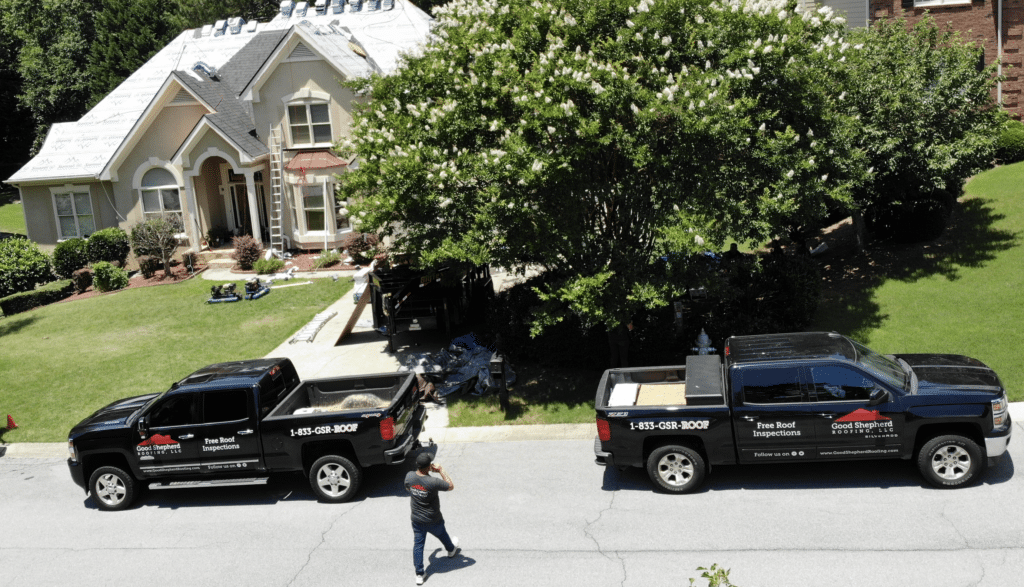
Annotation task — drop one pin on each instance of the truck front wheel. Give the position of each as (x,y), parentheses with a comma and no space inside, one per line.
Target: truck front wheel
(334,479)
(112,488)
(676,469)
(948,462)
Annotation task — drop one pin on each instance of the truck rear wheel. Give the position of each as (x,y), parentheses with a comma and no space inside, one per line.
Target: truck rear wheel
(334,479)
(948,462)
(112,488)
(676,469)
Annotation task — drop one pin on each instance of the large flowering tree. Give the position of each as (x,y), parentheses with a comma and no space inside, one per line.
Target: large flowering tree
(572,133)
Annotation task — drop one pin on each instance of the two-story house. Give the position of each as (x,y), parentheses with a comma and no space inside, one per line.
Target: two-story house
(230,125)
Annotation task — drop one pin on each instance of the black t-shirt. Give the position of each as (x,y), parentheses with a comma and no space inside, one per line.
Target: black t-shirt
(426,507)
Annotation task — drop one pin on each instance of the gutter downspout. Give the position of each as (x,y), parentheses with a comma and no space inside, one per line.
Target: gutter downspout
(999,54)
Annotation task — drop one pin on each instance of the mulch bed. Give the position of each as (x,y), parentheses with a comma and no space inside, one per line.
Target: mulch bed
(304,262)
(178,274)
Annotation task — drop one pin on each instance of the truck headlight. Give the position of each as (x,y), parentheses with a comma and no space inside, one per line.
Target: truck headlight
(999,413)
(72,453)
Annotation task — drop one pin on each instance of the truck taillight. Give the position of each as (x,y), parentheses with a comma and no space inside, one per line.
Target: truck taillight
(604,431)
(387,429)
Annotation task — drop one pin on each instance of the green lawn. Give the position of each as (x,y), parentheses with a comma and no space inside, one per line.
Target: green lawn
(963,294)
(62,362)
(540,396)
(11,218)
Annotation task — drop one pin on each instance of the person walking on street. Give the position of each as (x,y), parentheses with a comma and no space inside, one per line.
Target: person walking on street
(426,509)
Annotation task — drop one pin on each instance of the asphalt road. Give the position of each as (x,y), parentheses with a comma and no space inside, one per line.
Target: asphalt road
(538,513)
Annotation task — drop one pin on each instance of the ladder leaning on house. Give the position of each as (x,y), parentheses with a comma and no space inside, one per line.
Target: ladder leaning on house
(276,187)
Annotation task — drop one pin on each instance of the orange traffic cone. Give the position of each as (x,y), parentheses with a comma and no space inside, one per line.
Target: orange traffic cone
(10,423)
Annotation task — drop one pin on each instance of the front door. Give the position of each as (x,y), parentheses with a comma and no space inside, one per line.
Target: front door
(228,439)
(849,428)
(171,446)
(774,416)
(242,216)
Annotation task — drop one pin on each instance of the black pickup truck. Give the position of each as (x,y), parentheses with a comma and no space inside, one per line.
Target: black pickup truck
(802,397)
(235,423)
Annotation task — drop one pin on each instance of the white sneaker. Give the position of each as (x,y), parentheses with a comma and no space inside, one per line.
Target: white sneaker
(419,579)
(455,550)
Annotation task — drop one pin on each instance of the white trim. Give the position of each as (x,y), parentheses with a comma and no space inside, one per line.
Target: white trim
(155,163)
(933,3)
(182,159)
(307,94)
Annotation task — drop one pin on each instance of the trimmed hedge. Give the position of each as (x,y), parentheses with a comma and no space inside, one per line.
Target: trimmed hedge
(108,277)
(82,279)
(1010,144)
(247,251)
(70,256)
(109,244)
(22,266)
(45,294)
(358,244)
(265,266)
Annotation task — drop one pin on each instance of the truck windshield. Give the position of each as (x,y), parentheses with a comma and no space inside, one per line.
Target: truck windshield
(889,370)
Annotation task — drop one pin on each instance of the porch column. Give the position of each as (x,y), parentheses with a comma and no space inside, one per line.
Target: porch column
(254,211)
(192,228)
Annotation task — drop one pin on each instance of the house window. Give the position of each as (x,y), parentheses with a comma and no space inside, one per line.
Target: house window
(313,207)
(74,214)
(310,124)
(160,194)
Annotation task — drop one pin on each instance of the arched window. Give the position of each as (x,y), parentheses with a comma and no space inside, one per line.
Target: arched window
(160,194)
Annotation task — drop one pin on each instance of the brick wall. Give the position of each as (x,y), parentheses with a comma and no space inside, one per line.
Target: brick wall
(977,22)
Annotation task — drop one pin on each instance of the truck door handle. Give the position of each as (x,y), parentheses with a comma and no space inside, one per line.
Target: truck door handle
(750,418)
(827,416)
(244,432)
(186,437)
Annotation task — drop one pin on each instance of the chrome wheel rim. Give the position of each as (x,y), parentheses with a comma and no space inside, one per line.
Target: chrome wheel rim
(110,489)
(675,469)
(333,479)
(951,462)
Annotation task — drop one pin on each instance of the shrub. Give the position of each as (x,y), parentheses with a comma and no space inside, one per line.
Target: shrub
(358,244)
(149,265)
(109,244)
(43,295)
(108,277)
(1010,144)
(81,279)
(22,266)
(264,266)
(247,251)
(190,260)
(326,259)
(70,256)
(217,235)
(157,237)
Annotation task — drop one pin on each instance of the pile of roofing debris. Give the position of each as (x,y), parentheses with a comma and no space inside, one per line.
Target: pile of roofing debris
(463,366)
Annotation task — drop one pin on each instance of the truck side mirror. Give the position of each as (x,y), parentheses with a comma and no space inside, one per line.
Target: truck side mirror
(143,427)
(878,396)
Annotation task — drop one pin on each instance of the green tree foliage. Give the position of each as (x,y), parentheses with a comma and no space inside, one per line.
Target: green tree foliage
(127,35)
(54,37)
(22,266)
(69,256)
(571,133)
(927,110)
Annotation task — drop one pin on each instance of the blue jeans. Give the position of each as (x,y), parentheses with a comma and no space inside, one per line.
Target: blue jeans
(419,532)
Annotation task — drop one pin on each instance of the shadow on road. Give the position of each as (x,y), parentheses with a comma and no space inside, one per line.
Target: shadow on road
(882,474)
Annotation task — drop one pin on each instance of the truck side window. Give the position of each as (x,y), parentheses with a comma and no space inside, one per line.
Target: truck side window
(772,386)
(176,410)
(225,406)
(838,383)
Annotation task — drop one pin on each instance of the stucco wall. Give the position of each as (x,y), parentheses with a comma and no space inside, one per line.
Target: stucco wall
(40,216)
